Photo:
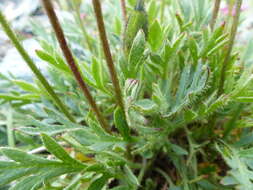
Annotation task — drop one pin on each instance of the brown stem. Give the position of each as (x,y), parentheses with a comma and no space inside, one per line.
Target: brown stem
(215,13)
(71,62)
(124,11)
(230,46)
(233,32)
(107,52)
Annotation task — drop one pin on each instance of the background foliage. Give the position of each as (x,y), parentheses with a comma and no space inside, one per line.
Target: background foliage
(178,130)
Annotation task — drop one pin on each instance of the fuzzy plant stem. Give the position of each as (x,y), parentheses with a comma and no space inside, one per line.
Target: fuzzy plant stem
(9,124)
(81,24)
(230,46)
(124,11)
(215,13)
(107,52)
(33,67)
(71,62)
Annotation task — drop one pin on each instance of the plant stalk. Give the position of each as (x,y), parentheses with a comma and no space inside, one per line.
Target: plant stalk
(12,36)
(229,49)
(9,124)
(80,22)
(230,46)
(107,52)
(124,11)
(215,13)
(71,62)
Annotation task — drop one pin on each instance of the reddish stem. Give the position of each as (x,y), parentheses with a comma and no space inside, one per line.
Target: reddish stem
(71,62)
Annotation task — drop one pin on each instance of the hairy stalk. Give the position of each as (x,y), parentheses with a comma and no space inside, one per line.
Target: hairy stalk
(230,5)
(230,46)
(80,23)
(215,13)
(124,11)
(71,62)
(9,125)
(33,67)
(233,32)
(107,52)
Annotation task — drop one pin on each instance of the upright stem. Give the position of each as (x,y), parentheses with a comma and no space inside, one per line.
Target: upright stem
(33,67)
(9,124)
(107,52)
(124,11)
(71,62)
(215,13)
(230,46)
(233,32)
(80,22)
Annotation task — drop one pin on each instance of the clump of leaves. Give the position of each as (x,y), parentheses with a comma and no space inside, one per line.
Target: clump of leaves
(164,103)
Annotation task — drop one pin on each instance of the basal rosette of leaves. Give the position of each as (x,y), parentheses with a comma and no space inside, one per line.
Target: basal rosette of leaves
(167,105)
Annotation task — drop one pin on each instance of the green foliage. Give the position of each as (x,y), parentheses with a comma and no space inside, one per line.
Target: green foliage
(175,132)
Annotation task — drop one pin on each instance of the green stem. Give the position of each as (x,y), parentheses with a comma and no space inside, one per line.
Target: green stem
(9,124)
(72,64)
(230,46)
(230,10)
(33,67)
(80,22)
(215,13)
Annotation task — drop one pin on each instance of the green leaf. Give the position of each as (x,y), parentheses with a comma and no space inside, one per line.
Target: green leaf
(152,11)
(190,115)
(49,129)
(247,153)
(137,21)
(57,62)
(155,36)
(23,157)
(28,183)
(193,47)
(97,73)
(130,177)
(55,115)
(121,124)
(28,87)
(54,148)
(136,52)
(13,174)
(178,150)
(145,106)
(117,26)
(193,82)
(245,99)
(170,50)
(99,183)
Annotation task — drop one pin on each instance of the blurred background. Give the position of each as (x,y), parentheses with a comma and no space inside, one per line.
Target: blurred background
(26,14)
